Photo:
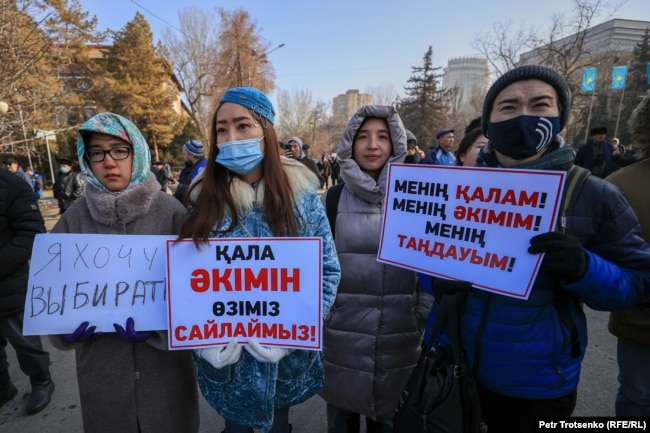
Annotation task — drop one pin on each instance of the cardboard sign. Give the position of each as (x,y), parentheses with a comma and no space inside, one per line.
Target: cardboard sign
(269,289)
(469,223)
(102,279)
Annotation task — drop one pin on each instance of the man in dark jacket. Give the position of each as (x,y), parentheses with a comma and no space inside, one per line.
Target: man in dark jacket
(597,154)
(69,185)
(20,221)
(13,167)
(528,352)
(194,163)
(163,174)
(295,150)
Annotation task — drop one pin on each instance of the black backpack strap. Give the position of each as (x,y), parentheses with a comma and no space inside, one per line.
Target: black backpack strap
(576,176)
(332,204)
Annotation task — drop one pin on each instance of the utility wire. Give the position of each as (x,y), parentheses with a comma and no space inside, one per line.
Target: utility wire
(161,19)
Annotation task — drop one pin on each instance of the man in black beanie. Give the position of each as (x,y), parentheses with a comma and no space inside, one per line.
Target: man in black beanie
(597,154)
(528,352)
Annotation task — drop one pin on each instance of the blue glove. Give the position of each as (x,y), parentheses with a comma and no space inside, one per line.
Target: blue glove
(83,334)
(130,334)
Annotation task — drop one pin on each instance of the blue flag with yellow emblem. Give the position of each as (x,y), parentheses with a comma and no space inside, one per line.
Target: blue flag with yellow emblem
(618,77)
(589,79)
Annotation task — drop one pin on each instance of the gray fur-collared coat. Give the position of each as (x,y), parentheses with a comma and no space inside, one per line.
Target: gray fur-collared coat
(124,385)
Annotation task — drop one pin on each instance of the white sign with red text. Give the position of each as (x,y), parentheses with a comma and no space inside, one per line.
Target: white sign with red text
(102,279)
(269,289)
(469,223)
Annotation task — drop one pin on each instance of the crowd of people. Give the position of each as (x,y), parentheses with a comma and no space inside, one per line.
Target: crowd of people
(526,353)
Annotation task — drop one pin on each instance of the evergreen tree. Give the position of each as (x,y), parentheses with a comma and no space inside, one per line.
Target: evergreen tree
(71,30)
(636,84)
(424,109)
(27,76)
(139,84)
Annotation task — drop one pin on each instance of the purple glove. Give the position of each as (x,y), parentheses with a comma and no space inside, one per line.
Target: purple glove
(83,334)
(130,334)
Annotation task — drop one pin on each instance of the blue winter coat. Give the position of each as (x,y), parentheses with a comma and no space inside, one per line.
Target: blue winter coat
(248,391)
(521,348)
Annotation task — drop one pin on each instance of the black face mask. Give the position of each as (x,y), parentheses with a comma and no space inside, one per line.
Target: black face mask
(523,136)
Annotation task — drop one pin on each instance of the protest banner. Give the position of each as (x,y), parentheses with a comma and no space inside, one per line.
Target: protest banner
(102,279)
(469,223)
(269,289)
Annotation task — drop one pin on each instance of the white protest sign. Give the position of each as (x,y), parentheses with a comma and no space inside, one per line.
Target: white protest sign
(269,289)
(469,223)
(102,279)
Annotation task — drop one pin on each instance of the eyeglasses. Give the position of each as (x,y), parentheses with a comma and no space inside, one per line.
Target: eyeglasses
(116,153)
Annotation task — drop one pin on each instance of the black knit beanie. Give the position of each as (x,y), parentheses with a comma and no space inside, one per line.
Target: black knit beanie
(528,72)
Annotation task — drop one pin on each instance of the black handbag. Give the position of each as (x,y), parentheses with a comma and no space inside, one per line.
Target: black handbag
(441,395)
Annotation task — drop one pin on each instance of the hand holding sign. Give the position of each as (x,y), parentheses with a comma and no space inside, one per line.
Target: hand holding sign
(564,257)
(220,357)
(83,333)
(272,355)
(129,333)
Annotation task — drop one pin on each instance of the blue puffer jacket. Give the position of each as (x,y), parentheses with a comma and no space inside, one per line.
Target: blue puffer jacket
(521,348)
(247,392)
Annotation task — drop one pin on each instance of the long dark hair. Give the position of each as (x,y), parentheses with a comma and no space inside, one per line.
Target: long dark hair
(467,141)
(215,197)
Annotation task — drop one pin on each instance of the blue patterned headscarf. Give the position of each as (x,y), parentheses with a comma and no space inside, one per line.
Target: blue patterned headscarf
(121,127)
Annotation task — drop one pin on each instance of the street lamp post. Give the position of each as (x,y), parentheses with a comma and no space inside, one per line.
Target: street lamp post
(46,135)
(22,123)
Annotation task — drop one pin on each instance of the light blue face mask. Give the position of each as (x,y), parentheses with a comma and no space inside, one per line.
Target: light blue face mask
(242,156)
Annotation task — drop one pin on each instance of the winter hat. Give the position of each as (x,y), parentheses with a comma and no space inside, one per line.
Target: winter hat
(296,139)
(253,99)
(443,132)
(410,136)
(598,130)
(194,148)
(528,72)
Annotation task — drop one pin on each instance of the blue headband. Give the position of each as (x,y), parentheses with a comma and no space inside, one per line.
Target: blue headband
(251,98)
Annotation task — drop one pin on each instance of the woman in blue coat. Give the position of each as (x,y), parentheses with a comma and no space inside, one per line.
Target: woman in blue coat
(248,191)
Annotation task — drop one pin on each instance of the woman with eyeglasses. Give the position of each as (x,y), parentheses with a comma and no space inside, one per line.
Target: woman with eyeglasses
(128,381)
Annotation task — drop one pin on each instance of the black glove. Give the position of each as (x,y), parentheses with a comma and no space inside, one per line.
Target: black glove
(564,257)
(441,286)
(83,334)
